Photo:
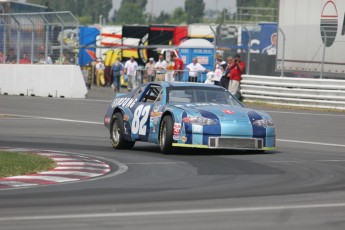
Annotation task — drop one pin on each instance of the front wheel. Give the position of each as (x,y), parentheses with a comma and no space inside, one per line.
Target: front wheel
(166,135)
(116,133)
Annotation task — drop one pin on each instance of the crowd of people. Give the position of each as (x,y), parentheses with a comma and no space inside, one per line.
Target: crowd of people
(11,58)
(226,73)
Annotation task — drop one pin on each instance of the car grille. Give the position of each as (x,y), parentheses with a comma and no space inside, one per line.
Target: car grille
(235,143)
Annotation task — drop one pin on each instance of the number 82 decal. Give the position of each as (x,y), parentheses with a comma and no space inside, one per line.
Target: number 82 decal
(140,117)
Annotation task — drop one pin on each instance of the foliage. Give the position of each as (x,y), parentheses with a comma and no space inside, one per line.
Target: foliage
(80,8)
(194,10)
(131,11)
(14,163)
(258,3)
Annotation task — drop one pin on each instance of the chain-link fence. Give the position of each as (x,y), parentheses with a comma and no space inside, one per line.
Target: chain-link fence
(44,37)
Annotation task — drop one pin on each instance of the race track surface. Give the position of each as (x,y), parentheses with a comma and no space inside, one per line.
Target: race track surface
(299,186)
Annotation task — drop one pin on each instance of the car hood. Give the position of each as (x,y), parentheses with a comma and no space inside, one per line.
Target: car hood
(219,112)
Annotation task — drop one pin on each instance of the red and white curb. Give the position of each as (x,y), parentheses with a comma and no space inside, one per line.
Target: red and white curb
(70,168)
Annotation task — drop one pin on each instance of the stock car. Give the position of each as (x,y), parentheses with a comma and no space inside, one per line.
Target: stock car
(196,115)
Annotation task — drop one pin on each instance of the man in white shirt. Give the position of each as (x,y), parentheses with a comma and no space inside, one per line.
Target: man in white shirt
(131,67)
(194,69)
(161,67)
(100,73)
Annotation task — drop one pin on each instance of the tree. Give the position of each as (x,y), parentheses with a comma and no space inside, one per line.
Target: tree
(194,10)
(85,9)
(178,16)
(131,11)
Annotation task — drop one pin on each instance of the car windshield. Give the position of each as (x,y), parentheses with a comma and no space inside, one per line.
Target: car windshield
(182,95)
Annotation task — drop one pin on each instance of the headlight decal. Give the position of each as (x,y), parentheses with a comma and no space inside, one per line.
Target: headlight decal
(258,131)
(210,129)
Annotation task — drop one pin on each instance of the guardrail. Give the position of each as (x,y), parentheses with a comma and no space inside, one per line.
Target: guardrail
(303,92)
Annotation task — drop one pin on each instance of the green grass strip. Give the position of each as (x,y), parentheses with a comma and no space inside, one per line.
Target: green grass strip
(16,163)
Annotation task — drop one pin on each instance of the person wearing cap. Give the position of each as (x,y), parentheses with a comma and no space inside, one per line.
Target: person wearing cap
(11,57)
(178,67)
(150,70)
(100,73)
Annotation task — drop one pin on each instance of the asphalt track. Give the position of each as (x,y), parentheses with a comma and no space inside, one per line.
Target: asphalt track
(299,186)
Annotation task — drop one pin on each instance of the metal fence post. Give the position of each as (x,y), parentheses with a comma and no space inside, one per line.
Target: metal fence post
(248,52)
(283,54)
(324,52)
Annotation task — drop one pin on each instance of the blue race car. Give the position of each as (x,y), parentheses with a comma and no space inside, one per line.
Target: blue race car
(176,114)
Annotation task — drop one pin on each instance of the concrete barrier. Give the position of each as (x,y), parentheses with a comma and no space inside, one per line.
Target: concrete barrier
(42,80)
(304,92)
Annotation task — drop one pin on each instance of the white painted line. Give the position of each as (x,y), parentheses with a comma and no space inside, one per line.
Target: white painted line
(309,114)
(16,183)
(76,173)
(85,168)
(155,163)
(311,143)
(64,159)
(174,212)
(47,178)
(80,163)
(56,119)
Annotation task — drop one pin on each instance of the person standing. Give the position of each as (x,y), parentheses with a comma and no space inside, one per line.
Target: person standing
(11,58)
(161,67)
(150,70)
(131,67)
(25,59)
(178,67)
(225,79)
(219,69)
(116,70)
(100,73)
(194,69)
(2,57)
(236,70)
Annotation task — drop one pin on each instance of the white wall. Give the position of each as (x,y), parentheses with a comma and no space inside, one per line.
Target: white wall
(42,80)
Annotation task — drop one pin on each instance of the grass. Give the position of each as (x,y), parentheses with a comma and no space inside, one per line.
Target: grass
(16,163)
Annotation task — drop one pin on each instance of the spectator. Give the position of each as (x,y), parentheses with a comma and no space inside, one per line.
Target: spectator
(2,58)
(178,67)
(11,58)
(116,69)
(194,69)
(236,70)
(225,79)
(48,60)
(131,67)
(219,69)
(62,59)
(160,68)
(150,70)
(25,59)
(100,73)
(41,59)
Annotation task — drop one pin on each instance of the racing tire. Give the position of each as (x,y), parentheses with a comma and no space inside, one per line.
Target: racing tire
(166,135)
(116,133)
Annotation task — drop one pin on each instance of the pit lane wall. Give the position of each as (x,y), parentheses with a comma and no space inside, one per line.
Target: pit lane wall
(63,81)
(303,92)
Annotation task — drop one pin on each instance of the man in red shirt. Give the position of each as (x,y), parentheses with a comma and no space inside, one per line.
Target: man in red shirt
(178,67)
(25,59)
(237,68)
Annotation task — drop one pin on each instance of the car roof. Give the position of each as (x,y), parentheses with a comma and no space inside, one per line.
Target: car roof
(187,84)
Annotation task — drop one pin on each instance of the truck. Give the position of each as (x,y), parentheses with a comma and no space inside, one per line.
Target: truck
(312,36)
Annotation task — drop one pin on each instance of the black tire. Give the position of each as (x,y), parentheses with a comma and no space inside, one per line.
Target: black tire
(116,133)
(166,135)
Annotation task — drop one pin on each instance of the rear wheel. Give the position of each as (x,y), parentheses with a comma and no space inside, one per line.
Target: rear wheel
(116,133)
(166,135)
